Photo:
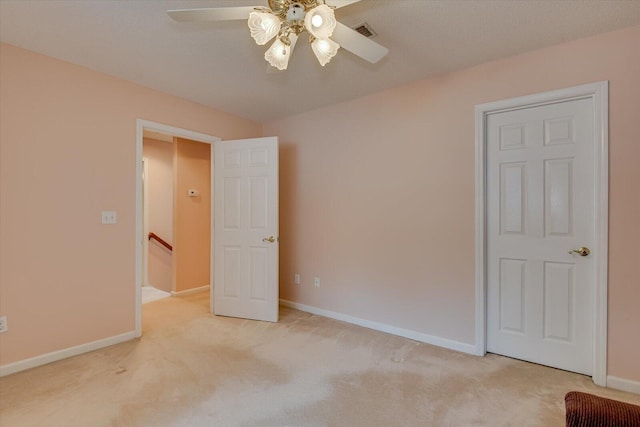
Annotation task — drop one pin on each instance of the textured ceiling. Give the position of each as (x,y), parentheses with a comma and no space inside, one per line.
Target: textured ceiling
(219,65)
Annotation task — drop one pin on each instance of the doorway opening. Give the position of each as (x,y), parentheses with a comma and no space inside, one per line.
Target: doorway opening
(157,208)
(173,201)
(176,216)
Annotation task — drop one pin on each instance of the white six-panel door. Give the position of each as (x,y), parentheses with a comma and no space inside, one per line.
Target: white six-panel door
(246,229)
(540,205)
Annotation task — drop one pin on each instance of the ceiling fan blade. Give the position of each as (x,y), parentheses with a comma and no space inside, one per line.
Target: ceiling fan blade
(341,3)
(211,14)
(358,44)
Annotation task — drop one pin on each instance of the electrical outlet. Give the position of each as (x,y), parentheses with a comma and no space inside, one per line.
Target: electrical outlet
(4,327)
(296,279)
(316,282)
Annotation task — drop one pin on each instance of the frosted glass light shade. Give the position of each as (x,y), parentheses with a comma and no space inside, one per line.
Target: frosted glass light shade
(278,55)
(325,49)
(263,26)
(320,21)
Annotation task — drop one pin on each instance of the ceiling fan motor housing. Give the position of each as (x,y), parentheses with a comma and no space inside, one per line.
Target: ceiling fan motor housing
(292,9)
(296,12)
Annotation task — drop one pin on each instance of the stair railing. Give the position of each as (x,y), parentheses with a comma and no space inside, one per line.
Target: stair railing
(160,240)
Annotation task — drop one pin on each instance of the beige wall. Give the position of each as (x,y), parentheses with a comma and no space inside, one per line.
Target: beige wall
(377,194)
(192,222)
(159,214)
(67,152)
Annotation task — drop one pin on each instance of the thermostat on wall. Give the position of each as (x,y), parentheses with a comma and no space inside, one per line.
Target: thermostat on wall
(193,193)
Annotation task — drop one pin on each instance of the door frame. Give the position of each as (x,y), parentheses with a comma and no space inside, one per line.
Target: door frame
(141,126)
(598,92)
(145,221)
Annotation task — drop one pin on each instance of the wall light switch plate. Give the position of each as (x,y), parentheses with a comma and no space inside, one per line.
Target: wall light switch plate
(4,327)
(316,282)
(109,217)
(297,279)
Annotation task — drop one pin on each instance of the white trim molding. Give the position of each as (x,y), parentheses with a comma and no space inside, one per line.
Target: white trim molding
(405,333)
(623,384)
(190,291)
(22,365)
(599,94)
(141,125)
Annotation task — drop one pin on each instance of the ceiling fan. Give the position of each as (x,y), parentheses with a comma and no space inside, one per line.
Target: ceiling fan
(286,20)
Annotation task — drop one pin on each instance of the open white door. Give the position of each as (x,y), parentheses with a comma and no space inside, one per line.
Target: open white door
(246,229)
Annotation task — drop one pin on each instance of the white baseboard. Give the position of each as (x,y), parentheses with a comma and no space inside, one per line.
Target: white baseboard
(623,384)
(406,333)
(12,368)
(190,291)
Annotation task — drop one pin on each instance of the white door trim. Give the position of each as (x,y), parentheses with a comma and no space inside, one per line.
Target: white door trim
(141,125)
(145,222)
(599,94)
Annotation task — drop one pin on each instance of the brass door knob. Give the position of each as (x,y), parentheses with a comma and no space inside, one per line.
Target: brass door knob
(269,239)
(583,251)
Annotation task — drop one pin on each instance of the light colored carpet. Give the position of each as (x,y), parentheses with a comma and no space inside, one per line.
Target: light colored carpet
(194,369)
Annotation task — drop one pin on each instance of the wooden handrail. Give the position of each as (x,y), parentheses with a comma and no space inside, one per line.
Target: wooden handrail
(160,240)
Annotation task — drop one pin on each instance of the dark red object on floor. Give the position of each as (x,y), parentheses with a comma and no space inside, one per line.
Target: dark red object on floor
(588,410)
